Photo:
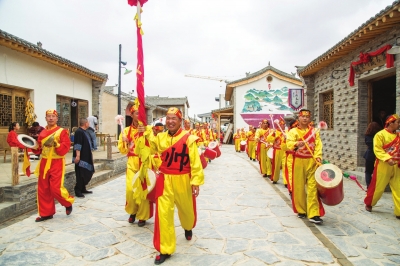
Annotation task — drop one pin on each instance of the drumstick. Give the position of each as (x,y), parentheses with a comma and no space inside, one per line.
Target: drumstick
(277,122)
(308,148)
(273,126)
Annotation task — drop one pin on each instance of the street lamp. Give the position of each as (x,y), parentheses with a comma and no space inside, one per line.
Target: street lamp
(121,64)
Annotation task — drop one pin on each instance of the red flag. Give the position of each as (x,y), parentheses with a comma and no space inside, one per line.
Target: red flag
(140,73)
(134,2)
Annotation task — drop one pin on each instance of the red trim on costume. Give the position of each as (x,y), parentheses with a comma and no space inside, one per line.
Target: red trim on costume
(156,236)
(372,186)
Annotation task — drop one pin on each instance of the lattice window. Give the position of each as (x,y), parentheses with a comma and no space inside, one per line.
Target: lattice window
(5,110)
(327,102)
(65,114)
(20,116)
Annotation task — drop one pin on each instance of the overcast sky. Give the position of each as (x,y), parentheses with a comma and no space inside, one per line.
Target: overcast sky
(217,38)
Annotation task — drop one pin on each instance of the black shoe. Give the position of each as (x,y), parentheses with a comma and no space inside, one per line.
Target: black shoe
(368,208)
(285,185)
(316,220)
(87,192)
(398,217)
(43,218)
(301,215)
(68,210)
(132,218)
(265,175)
(141,223)
(161,258)
(188,234)
(274,182)
(79,194)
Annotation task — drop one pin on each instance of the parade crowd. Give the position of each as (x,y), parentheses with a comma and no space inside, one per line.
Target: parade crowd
(175,157)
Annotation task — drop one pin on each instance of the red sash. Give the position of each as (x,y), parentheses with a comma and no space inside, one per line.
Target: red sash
(175,159)
(393,148)
(303,152)
(277,143)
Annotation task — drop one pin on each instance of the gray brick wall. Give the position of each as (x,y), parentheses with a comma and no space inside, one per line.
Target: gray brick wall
(344,144)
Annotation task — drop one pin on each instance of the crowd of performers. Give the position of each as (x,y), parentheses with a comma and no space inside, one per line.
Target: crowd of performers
(296,149)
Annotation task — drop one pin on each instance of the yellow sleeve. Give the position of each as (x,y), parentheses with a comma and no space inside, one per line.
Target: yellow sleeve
(291,140)
(123,146)
(257,137)
(197,173)
(272,136)
(379,142)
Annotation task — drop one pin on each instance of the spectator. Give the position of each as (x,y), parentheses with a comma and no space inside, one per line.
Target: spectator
(369,155)
(12,139)
(381,118)
(93,127)
(35,130)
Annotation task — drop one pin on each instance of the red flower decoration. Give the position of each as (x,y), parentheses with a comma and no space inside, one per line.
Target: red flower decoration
(134,2)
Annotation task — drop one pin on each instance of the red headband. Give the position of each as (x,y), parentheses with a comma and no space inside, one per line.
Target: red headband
(51,112)
(390,119)
(304,113)
(174,111)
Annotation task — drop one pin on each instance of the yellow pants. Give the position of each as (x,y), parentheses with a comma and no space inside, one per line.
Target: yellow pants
(237,144)
(251,149)
(303,176)
(177,191)
(277,165)
(287,164)
(265,161)
(383,175)
(144,211)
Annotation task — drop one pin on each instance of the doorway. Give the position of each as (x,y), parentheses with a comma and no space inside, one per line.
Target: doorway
(382,97)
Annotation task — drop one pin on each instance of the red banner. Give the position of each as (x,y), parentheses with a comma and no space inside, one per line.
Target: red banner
(365,58)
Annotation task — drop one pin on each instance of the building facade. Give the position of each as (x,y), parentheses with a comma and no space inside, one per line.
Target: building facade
(351,83)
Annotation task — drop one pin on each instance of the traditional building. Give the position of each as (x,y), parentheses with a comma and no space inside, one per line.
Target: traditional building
(28,71)
(260,95)
(166,102)
(351,82)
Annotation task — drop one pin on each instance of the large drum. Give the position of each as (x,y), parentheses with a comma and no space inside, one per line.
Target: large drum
(152,178)
(243,145)
(210,154)
(28,141)
(215,147)
(329,184)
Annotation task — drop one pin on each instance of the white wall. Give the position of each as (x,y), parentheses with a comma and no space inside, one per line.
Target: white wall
(260,84)
(47,80)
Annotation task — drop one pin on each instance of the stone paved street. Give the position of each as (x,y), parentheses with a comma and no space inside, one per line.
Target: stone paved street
(243,219)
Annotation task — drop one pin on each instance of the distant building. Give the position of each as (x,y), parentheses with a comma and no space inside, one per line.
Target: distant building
(260,95)
(166,102)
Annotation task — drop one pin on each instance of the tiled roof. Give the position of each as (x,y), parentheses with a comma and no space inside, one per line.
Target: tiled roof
(9,40)
(269,67)
(358,37)
(157,100)
(220,110)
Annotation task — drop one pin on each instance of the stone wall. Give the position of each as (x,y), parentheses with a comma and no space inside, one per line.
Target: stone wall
(344,145)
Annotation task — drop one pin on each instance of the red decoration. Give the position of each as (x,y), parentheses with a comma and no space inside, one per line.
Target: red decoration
(140,74)
(134,2)
(365,58)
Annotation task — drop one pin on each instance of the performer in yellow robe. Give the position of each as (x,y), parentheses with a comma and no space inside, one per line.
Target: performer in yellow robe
(181,175)
(186,126)
(251,143)
(288,161)
(126,145)
(199,133)
(304,166)
(387,171)
(262,148)
(277,138)
(237,139)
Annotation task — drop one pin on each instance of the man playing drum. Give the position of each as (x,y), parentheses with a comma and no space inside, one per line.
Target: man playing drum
(126,145)
(181,175)
(307,156)
(54,144)
(387,171)
(262,148)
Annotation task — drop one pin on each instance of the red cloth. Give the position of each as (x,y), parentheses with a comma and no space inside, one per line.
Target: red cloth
(140,74)
(12,140)
(134,2)
(365,58)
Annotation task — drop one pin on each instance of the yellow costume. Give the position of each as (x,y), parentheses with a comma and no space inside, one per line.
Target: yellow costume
(386,147)
(262,148)
(277,139)
(237,139)
(304,167)
(181,169)
(251,145)
(144,211)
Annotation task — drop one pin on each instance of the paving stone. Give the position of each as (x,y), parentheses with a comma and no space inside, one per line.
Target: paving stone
(386,250)
(251,262)
(116,260)
(263,255)
(345,247)
(282,238)
(72,261)
(23,234)
(2,247)
(20,246)
(212,246)
(93,227)
(358,241)
(246,230)
(134,250)
(208,233)
(310,254)
(292,221)
(57,237)
(395,259)
(236,245)
(100,254)
(370,254)
(270,224)
(100,240)
(76,249)
(303,236)
(383,240)
(332,231)
(364,262)
(145,238)
(31,257)
(289,263)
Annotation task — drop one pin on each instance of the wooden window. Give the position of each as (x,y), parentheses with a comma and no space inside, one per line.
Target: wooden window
(12,107)
(327,109)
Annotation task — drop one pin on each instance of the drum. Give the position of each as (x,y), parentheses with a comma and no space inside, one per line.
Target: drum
(243,145)
(214,146)
(270,153)
(152,178)
(210,154)
(28,141)
(329,184)
(203,159)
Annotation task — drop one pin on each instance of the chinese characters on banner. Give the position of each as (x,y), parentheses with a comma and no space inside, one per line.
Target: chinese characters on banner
(296,98)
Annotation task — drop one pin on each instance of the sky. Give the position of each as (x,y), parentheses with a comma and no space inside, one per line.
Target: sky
(211,38)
